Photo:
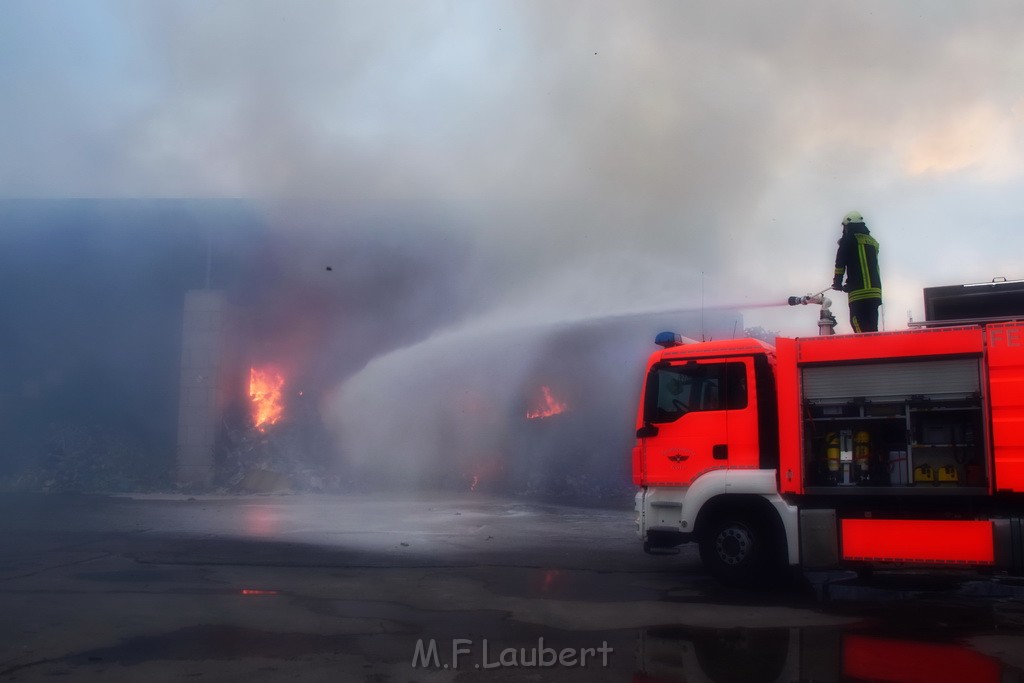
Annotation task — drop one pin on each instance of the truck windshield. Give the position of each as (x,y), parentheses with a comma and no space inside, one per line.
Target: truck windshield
(674,390)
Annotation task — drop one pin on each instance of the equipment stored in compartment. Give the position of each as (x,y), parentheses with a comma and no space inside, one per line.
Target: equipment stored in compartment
(927,412)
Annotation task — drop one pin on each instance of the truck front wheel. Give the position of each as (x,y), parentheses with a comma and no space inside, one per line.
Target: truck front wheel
(737,549)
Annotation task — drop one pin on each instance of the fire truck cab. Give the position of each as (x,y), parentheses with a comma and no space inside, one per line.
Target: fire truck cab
(848,450)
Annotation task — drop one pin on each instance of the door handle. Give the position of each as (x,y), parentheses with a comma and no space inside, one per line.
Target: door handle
(720,451)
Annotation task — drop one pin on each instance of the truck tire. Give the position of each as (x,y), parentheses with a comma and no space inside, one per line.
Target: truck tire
(737,549)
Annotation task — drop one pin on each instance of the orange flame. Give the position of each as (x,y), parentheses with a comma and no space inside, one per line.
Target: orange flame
(548,407)
(265,392)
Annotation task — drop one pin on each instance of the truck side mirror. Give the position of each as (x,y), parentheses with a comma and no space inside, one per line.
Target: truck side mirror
(646,431)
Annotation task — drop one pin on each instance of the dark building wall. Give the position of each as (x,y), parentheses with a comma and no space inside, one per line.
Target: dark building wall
(202,384)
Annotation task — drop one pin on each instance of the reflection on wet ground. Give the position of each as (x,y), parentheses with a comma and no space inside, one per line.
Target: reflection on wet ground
(347,589)
(913,626)
(823,655)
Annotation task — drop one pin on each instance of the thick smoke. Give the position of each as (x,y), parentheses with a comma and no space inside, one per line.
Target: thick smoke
(481,172)
(704,138)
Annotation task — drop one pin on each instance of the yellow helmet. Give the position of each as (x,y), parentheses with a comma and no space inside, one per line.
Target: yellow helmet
(853,217)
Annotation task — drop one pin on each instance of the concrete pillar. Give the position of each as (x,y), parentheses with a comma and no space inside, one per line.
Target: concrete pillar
(202,342)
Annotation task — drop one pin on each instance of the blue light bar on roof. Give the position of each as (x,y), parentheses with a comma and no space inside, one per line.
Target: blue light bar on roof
(667,340)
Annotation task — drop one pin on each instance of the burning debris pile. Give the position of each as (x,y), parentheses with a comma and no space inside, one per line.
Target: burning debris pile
(277,444)
(564,452)
(549,406)
(265,391)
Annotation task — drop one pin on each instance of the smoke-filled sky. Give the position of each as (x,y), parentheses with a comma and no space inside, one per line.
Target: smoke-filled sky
(598,155)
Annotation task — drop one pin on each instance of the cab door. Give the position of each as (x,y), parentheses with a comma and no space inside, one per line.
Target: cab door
(698,415)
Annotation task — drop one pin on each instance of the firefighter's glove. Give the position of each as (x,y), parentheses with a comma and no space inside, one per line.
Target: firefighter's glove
(837,284)
(846,287)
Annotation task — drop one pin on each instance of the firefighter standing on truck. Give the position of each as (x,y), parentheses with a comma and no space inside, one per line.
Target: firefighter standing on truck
(857,258)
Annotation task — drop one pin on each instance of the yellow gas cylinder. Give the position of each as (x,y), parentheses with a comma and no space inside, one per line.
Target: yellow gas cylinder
(862,452)
(832,452)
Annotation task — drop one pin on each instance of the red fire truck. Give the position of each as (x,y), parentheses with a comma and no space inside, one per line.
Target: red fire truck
(842,450)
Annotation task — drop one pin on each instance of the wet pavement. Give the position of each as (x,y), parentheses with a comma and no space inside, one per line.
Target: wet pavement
(268,588)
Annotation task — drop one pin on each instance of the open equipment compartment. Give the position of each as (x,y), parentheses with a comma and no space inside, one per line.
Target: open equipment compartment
(913,426)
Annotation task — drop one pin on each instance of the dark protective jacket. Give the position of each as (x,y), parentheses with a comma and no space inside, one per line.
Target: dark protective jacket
(857,256)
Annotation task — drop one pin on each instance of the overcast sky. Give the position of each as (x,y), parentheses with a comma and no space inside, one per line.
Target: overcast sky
(598,154)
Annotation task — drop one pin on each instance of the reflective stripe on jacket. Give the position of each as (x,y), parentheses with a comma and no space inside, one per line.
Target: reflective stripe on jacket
(857,257)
